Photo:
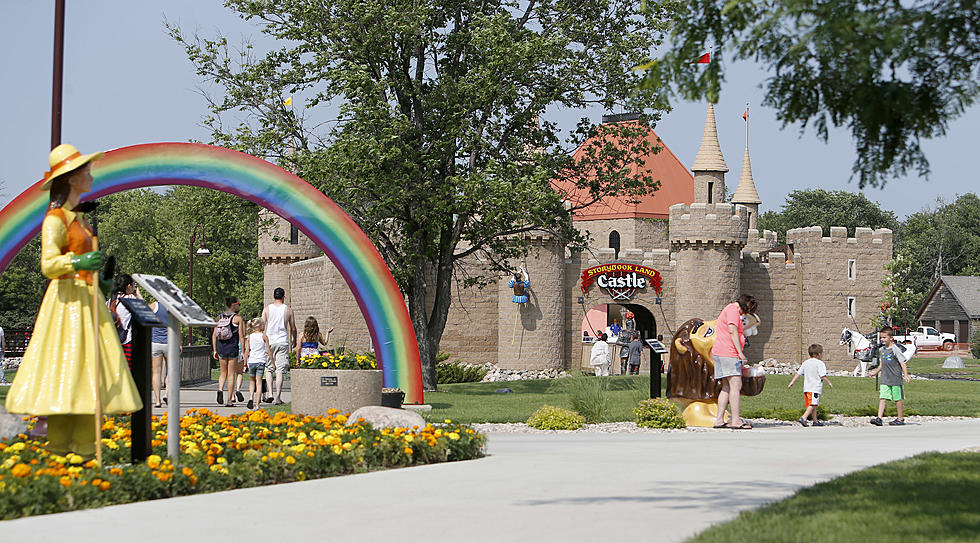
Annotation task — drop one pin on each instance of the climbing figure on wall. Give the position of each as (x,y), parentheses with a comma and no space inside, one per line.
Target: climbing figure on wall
(521,284)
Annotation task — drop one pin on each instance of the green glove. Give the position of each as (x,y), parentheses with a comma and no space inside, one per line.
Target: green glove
(105,285)
(90,261)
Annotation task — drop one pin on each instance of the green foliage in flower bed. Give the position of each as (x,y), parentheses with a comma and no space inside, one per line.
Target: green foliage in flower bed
(217,453)
(549,417)
(459,372)
(658,413)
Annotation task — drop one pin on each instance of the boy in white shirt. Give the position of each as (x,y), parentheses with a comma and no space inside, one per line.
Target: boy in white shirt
(814,373)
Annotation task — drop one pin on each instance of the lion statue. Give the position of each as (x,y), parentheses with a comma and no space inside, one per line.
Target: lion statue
(690,372)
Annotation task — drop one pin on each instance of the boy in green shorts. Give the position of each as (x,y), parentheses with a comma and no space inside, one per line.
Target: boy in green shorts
(893,372)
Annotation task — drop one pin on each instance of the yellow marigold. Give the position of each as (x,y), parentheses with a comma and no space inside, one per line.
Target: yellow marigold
(65,481)
(74,458)
(153,461)
(311,454)
(347,446)
(18,446)
(192,479)
(453,436)
(408,450)
(20,470)
(332,411)
(290,460)
(409,438)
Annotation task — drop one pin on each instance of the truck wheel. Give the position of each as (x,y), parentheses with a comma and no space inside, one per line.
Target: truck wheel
(947,345)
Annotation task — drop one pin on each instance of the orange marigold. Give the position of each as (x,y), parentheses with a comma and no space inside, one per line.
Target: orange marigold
(65,481)
(20,470)
(104,486)
(408,450)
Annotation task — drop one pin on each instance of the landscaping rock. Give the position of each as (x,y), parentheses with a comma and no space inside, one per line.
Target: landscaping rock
(11,425)
(386,417)
(953,362)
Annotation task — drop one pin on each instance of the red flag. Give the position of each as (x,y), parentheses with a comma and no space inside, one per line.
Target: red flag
(745,116)
(703,59)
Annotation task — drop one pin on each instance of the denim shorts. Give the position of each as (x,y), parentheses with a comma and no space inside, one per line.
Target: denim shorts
(256,370)
(726,366)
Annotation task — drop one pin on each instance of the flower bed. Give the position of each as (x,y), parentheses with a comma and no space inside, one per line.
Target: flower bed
(346,360)
(217,453)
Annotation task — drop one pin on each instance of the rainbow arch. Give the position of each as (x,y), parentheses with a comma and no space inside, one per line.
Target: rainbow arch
(275,189)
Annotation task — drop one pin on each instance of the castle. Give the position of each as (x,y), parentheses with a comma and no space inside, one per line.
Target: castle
(704,251)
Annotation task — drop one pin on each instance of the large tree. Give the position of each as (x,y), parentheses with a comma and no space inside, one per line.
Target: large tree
(826,208)
(426,121)
(892,72)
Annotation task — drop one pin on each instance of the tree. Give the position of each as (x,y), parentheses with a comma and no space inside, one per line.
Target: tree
(22,287)
(818,207)
(892,72)
(436,145)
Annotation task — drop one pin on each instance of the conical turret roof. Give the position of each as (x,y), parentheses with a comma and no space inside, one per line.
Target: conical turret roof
(709,157)
(746,193)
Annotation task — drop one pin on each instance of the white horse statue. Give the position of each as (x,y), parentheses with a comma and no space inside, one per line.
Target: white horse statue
(864,348)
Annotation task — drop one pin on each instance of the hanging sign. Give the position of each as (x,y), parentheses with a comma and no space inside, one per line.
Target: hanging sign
(622,280)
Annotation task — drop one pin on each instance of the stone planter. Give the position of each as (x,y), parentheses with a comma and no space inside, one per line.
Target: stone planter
(316,391)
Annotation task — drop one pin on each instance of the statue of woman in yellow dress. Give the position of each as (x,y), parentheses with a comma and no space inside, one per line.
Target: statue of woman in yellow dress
(57,375)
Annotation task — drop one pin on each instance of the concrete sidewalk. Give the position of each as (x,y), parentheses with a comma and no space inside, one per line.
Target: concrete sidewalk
(532,487)
(204,396)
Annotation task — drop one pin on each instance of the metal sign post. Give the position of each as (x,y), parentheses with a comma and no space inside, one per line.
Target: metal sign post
(144,320)
(657,350)
(183,310)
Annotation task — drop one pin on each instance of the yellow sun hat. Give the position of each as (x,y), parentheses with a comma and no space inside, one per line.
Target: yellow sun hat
(63,159)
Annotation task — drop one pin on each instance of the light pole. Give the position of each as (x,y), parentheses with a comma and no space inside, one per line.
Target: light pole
(201,251)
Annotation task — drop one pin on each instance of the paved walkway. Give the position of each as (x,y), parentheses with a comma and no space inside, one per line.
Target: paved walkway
(204,396)
(533,487)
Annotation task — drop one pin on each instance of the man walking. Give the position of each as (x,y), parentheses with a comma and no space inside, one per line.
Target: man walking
(281,331)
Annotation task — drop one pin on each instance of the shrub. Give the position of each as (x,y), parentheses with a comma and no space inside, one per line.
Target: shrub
(589,396)
(549,417)
(459,372)
(975,343)
(658,413)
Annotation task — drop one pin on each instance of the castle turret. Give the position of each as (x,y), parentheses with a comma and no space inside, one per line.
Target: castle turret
(706,242)
(709,166)
(281,244)
(746,194)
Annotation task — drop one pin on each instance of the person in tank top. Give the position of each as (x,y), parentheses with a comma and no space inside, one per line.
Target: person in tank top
(280,327)
(257,356)
(158,353)
(227,350)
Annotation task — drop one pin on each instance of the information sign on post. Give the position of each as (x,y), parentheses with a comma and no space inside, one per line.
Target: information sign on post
(658,350)
(142,323)
(183,310)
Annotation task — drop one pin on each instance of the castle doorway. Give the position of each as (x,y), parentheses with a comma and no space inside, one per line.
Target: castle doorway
(601,318)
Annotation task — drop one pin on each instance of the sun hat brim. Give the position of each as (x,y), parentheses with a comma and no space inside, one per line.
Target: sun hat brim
(68,165)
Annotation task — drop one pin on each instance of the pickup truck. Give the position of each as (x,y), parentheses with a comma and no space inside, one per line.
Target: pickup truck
(927,337)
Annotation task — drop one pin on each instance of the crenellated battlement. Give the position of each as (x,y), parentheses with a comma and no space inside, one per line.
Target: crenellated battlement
(700,223)
(757,243)
(812,237)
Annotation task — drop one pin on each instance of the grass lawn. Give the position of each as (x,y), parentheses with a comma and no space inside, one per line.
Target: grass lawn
(929,497)
(933,368)
(477,402)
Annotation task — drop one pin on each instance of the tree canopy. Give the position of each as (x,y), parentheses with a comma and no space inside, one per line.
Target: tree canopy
(818,207)
(892,72)
(425,121)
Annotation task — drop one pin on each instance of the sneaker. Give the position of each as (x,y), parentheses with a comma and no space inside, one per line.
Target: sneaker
(221,398)
(817,423)
(897,422)
(876,421)
(250,405)
(239,396)
(802,421)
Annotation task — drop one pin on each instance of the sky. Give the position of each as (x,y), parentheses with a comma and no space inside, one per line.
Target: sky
(127,82)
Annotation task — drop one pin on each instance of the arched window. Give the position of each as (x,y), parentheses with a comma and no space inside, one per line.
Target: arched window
(614,242)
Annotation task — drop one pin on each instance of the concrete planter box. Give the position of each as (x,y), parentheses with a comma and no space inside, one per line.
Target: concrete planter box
(316,391)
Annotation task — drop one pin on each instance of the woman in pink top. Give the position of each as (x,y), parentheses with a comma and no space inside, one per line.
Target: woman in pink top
(728,359)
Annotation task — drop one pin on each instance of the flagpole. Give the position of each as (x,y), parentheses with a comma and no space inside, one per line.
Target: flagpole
(746,125)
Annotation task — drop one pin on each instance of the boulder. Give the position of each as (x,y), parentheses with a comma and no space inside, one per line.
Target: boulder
(386,417)
(953,362)
(11,425)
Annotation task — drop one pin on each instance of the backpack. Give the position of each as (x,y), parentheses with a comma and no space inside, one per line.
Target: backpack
(224,326)
(121,330)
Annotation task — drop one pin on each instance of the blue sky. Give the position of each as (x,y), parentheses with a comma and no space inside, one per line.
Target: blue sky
(127,82)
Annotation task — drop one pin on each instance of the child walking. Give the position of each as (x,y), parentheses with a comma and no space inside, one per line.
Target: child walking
(814,373)
(891,366)
(257,353)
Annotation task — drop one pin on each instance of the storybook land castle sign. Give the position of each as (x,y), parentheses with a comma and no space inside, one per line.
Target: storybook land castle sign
(621,280)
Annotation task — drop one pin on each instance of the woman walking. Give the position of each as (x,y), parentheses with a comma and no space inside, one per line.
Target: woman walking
(226,339)
(728,359)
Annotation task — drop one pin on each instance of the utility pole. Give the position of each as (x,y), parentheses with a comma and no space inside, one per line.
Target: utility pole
(59,57)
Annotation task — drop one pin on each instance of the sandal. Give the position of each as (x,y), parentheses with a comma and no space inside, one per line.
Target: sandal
(743,426)
(722,425)
(157,405)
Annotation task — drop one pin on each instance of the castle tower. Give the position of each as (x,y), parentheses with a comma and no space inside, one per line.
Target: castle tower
(746,194)
(281,244)
(709,166)
(706,242)
(532,335)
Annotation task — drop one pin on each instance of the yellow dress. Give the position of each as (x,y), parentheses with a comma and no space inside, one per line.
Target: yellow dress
(56,376)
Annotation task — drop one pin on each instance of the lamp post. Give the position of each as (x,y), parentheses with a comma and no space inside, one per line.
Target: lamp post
(201,251)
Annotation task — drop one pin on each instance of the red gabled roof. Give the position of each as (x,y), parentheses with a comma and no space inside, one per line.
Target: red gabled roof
(676,186)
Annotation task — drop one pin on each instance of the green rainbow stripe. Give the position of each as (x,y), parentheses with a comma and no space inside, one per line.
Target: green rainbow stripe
(275,189)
